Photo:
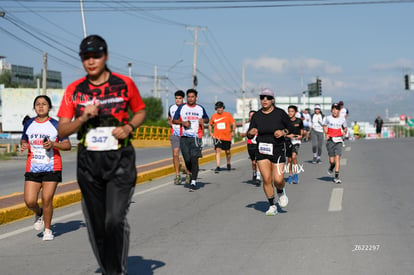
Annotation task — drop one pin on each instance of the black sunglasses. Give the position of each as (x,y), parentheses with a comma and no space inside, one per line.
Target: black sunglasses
(268,97)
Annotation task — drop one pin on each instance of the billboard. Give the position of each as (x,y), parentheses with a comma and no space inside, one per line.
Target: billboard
(17,103)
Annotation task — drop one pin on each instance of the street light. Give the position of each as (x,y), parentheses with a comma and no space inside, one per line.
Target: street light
(166,88)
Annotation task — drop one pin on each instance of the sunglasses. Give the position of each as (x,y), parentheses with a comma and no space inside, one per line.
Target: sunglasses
(268,97)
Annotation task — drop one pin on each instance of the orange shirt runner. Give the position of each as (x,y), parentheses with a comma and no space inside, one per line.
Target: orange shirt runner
(222,125)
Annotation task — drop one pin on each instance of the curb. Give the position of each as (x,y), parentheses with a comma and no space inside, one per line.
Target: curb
(20,211)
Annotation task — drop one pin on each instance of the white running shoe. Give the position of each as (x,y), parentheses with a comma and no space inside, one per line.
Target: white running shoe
(283,199)
(337,180)
(39,224)
(48,235)
(271,211)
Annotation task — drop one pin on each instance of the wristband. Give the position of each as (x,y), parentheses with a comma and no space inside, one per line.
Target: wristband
(132,126)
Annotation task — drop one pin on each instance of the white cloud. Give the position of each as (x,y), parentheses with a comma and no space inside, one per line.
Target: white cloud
(399,64)
(281,65)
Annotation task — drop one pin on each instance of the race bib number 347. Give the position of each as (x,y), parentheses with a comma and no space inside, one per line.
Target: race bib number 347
(101,139)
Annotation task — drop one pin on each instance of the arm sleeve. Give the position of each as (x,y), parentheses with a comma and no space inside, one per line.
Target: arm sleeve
(211,120)
(177,112)
(66,108)
(253,123)
(136,103)
(205,114)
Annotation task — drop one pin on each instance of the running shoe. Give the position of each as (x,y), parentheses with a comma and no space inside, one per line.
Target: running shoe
(48,235)
(257,181)
(271,211)
(177,179)
(217,170)
(283,199)
(330,171)
(314,160)
(192,188)
(229,167)
(187,179)
(337,180)
(318,160)
(295,178)
(39,224)
(290,179)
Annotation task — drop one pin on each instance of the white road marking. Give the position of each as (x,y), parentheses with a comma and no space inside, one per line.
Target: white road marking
(335,204)
(348,148)
(29,228)
(343,161)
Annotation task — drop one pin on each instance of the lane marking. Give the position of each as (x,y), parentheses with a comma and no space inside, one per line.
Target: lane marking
(348,148)
(335,204)
(343,161)
(79,212)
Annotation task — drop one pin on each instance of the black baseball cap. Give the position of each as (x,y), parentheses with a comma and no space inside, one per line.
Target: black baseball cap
(336,106)
(93,43)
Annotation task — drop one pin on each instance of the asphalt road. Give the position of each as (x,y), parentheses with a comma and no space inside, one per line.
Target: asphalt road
(12,171)
(363,226)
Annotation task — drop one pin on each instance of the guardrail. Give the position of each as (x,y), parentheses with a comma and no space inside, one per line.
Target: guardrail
(152,133)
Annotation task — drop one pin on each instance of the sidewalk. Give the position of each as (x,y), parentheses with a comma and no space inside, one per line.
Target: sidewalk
(12,207)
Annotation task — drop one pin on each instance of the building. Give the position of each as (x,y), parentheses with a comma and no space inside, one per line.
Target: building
(25,76)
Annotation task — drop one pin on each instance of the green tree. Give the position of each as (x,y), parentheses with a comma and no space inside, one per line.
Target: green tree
(153,109)
(5,78)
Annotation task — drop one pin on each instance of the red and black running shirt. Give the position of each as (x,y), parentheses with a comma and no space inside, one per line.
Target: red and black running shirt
(115,97)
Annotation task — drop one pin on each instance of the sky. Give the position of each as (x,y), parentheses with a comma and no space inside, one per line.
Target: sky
(361,52)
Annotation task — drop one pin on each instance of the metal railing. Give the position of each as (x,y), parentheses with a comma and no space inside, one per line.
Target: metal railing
(152,133)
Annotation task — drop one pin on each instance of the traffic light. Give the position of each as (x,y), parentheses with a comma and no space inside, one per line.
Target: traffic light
(318,87)
(195,81)
(407,82)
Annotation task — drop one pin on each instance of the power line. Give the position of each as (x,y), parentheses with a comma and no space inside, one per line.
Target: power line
(280,4)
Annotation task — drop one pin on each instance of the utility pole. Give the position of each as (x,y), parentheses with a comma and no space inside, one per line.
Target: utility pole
(44,75)
(155,81)
(243,96)
(196,29)
(83,19)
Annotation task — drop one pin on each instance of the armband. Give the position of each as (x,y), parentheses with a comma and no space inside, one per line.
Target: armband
(285,131)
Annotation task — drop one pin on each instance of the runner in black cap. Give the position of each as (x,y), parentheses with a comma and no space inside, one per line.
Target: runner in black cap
(106,171)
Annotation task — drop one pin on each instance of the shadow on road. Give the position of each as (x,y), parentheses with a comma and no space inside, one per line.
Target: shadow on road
(262,206)
(138,265)
(326,178)
(63,228)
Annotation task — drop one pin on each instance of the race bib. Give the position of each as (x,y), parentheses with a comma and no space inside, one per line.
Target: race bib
(266,148)
(337,139)
(40,156)
(221,126)
(295,141)
(101,139)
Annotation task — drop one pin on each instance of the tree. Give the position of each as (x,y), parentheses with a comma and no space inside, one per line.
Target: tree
(154,112)
(5,78)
